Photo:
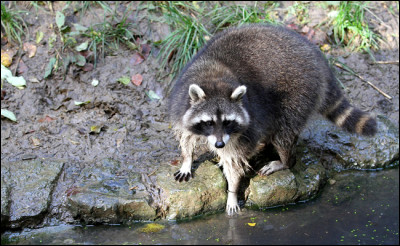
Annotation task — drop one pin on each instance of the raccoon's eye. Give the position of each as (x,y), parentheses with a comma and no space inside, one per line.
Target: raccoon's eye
(227,122)
(209,123)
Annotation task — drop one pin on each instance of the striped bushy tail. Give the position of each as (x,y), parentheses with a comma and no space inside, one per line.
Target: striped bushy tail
(338,110)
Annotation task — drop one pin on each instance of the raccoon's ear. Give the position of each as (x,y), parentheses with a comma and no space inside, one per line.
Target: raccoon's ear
(196,93)
(238,93)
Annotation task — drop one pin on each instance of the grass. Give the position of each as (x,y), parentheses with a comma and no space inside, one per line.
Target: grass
(107,34)
(300,11)
(350,27)
(12,23)
(237,15)
(188,37)
(110,33)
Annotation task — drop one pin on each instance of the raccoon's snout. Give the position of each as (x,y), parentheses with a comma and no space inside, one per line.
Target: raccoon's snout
(219,144)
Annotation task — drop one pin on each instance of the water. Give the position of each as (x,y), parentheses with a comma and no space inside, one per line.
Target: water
(359,208)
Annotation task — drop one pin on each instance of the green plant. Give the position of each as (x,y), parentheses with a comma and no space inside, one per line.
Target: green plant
(237,15)
(12,24)
(350,27)
(188,37)
(107,34)
(300,11)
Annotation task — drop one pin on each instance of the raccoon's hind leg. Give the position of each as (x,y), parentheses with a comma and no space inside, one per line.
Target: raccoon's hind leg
(187,143)
(287,154)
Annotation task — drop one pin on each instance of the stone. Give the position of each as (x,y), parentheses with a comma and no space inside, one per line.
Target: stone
(205,193)
(101,196)
(27,188)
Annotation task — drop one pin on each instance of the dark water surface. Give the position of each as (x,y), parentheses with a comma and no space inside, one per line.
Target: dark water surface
(361,207)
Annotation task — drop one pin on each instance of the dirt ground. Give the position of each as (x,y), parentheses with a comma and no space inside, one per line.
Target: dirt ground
(133,127)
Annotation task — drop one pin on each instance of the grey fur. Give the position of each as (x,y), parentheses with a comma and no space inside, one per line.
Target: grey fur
(262,83)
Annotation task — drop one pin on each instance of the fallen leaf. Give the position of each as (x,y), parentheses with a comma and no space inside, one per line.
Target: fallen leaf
(46,119)
(60,19)
(77,103)
(153,227)
(292,26)
(145,50)
(174,162)
(6,59)
(35,141)
(22,68)
(80,60)
(82,46)
(73,141)
(50,67)
(252,224)
(119,141)
(95,129)
(95,82)
(30,48)
(88,67)
(137,59)
(152,95)
(325,47)
(39,36)
(8,114)
(137,79)
(124,80)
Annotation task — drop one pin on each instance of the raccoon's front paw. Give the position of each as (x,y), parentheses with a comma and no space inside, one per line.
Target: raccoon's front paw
(272,167)
(180,176)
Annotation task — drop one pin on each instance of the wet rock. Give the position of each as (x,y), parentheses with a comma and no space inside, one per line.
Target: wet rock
(288,186)
(343,150)
(205,193)
(102,196)
(26,191)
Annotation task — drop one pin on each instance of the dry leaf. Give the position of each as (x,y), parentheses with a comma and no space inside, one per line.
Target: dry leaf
(30,48)
(145,50)
(174,162)
(22,68)
(6,59)
(46,119)
(137,79)
(35,141)
(119,141)
(88,67)
(137,59)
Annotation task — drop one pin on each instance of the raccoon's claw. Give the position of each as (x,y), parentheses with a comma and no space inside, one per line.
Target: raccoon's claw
(272,167)
(231,210)
(179,176)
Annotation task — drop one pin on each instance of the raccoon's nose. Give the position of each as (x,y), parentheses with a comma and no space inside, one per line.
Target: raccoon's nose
(219,144)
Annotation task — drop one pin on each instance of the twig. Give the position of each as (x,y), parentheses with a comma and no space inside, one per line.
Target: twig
(366,81)
(148,175)
(387,62)
(20,52)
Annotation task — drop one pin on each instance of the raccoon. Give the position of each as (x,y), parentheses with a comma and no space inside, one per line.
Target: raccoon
(251,86)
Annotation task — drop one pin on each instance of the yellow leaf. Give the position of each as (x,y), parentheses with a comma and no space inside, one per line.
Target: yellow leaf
(6,59)
(325,47)
(252,224)
(153,227)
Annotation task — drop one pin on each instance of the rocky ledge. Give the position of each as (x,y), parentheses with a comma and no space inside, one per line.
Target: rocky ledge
(44,192)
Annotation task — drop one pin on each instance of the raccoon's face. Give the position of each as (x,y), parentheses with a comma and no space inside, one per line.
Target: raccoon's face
(217,118)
